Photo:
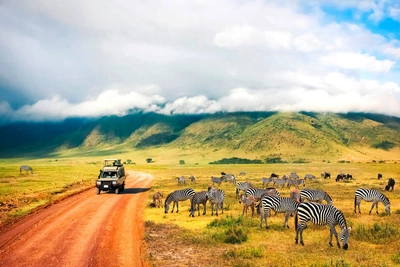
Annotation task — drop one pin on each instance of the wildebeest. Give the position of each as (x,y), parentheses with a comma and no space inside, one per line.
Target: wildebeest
(25,168)
(274,175)
(326,175)
(390,184)
(379,176)
(340,176)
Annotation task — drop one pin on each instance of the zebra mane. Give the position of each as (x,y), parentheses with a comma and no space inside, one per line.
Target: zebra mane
(168,199)
(342,223)
(385,198)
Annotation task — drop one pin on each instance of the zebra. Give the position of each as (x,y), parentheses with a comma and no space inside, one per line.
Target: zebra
(288,205)
(265,181)
(157,199)
(218,180)
(315,195)
(192,179)
(231,178)
(247,202)
(257,193)
(242,186)
(25,168)
(370,195)
(216,197)
(181,180)
(293,175)
(322,214)
(176,196)
(310,177)
(296,183)
(242,173)
(280,182)
(197,199)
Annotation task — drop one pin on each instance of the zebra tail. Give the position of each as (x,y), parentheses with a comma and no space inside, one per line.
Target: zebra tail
(296,220)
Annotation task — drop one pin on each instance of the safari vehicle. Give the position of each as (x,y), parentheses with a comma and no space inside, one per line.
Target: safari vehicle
(112,177)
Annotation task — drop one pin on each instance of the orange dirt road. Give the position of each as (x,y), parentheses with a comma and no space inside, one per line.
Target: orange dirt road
(83,230)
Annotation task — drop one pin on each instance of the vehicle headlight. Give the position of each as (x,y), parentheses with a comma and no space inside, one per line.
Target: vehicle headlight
(98,182)
(114,182)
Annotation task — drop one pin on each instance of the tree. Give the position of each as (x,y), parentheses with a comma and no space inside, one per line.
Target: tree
(181,161)
(149,160)
(129,161)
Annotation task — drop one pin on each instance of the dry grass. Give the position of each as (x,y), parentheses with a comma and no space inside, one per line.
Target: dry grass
(275,246)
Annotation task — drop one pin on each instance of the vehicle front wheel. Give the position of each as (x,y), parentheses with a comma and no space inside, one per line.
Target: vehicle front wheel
(98,191)
(117,191)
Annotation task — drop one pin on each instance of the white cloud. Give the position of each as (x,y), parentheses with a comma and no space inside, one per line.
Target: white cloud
(245,35)
(356,61)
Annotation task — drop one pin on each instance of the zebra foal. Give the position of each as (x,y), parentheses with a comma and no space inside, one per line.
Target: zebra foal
(176,196)
(321,214)
(370,195)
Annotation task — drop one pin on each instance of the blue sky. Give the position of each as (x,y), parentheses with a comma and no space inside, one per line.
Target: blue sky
(61,59)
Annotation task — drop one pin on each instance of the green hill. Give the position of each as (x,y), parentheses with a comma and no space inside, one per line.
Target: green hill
(290,136)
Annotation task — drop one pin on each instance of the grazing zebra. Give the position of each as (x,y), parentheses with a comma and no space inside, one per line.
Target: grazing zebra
(280,182)
(288,205)
(321,214)
(192,179)
(231,178)
(25,168)
(310,177)
(370,195)
(314,195)
(181,180)
(293,175)
(242,173)
(218,180)
(216,197)
(157,199)
(176,196)
(296,183)
(197,199)
(391,183)
(247,202)
(257,193)
(242,186)
(265,181)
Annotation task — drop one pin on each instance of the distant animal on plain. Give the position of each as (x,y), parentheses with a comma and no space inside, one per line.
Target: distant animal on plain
(379,176)
(25,168)
(157,199)
(390,184)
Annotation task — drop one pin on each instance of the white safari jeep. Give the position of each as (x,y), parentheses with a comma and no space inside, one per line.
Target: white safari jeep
(112,177)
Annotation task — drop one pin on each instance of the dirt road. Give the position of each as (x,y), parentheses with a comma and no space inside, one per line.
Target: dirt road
(84,230)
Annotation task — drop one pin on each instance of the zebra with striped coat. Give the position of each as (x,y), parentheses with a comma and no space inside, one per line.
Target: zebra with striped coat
(287,205)
(282,182)
(370,195)
(197,199)
(296,183)
(265,181)
(216,197)
(181,180)
(176,196)
(242,186)
(315,195)
(257,193)
(229,177)
(321,214)
(218,180)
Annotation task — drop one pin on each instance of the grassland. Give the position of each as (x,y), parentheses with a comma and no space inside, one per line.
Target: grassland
(373,241)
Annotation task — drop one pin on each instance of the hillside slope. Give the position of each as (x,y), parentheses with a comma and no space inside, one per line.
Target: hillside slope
(287,135)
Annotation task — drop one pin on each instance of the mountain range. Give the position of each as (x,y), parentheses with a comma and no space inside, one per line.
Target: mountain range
(290,136)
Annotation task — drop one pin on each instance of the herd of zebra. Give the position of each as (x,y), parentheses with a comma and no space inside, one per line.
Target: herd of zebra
(304,204)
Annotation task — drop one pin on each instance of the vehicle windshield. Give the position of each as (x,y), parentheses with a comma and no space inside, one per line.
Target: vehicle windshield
(109,175)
